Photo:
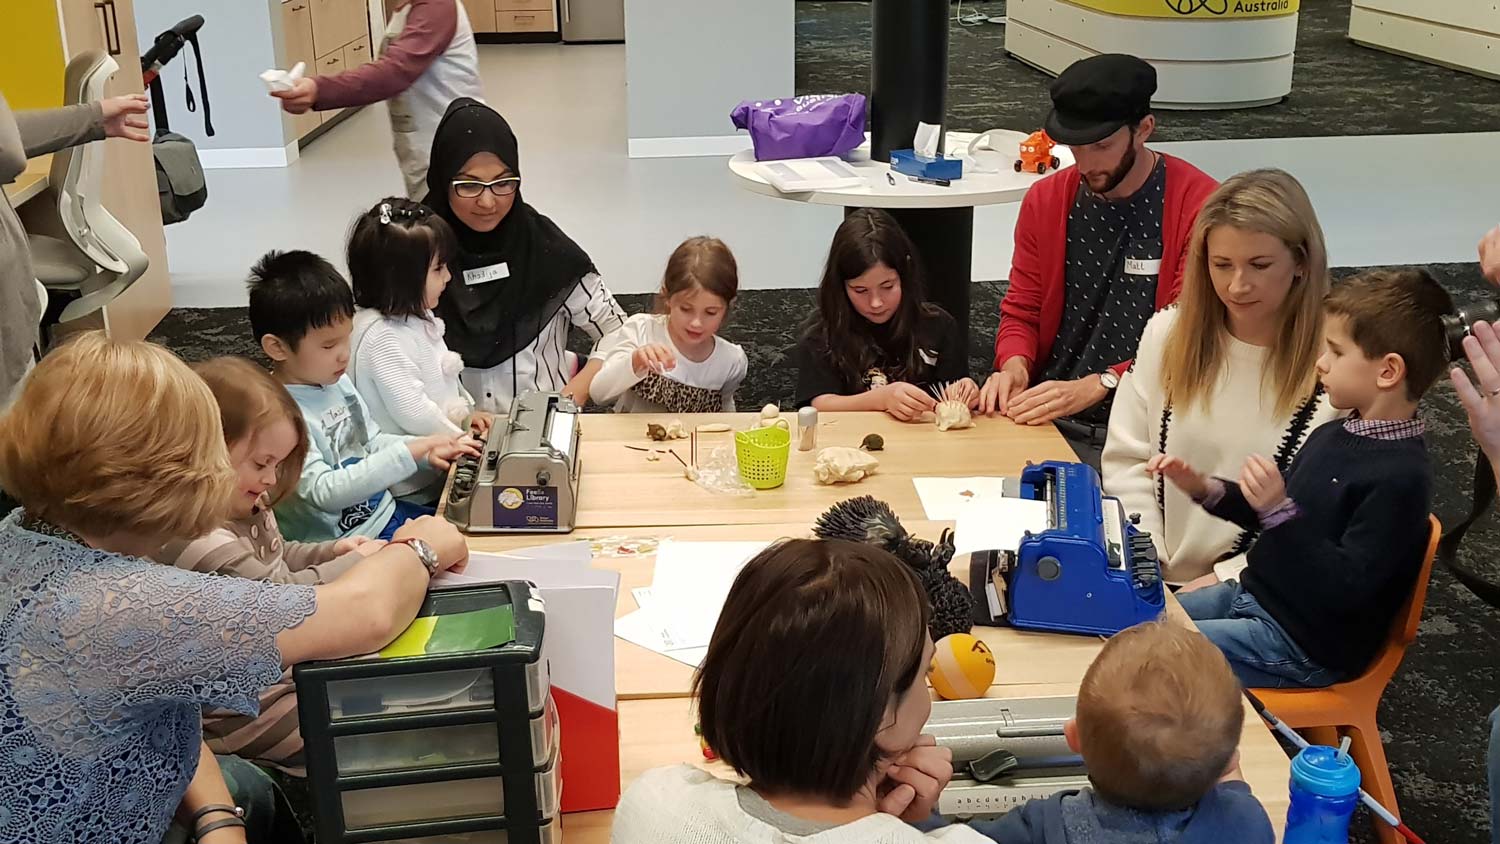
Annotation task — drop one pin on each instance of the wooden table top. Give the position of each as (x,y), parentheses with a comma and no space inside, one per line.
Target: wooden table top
(622,488)
(31,182)
(624,496)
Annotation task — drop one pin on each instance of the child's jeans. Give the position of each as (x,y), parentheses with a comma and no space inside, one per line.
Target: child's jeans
(405,512)
(1261,653)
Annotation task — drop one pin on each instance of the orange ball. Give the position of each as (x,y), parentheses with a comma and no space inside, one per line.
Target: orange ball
(962,667)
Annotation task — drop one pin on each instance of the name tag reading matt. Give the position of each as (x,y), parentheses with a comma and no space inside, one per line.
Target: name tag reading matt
(1141,266)
(495,272)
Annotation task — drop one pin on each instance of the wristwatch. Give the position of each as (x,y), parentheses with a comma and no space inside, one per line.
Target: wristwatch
(424,551)
(1109,379)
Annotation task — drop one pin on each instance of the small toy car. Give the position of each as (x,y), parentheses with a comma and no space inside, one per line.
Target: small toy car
(1036,153)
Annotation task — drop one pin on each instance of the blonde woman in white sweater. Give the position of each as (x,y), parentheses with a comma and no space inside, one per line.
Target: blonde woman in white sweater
(1226,373)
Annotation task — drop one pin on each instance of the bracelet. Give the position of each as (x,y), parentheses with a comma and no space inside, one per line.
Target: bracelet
(210,809)
(217,825)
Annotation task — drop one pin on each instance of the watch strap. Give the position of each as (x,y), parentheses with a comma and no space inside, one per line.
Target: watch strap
(428,560)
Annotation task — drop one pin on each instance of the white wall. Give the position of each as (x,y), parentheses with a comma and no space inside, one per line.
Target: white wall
(239,40)
(689,62)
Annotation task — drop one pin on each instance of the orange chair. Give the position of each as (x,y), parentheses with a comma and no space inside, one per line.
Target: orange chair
(1322,715)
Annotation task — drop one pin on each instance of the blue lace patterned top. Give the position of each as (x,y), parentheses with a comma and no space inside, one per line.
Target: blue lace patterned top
(106,662)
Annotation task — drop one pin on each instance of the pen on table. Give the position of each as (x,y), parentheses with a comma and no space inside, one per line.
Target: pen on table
(942,183)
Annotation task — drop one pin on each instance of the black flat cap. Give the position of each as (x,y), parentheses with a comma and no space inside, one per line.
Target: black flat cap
(1095,96)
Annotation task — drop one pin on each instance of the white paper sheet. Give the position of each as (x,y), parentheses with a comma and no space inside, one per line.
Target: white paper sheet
(997,523)
(691,582)
(942,498)
(642,628)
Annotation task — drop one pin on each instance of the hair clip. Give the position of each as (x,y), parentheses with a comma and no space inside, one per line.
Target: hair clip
(385,213)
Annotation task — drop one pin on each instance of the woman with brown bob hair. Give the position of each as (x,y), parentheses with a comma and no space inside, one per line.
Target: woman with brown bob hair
(814,690)
(114,449)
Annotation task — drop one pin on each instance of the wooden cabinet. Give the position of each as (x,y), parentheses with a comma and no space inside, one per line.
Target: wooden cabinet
(330,36)
(296,26)
(336,23)
(481,14)
(129,188)
(523,5)
(529,21)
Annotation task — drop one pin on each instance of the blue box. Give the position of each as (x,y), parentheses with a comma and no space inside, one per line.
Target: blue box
(908,162)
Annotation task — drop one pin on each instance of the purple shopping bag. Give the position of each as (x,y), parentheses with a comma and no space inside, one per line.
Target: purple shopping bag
(803,127)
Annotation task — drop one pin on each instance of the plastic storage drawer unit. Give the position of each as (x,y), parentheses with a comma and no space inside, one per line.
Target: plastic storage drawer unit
(446,736)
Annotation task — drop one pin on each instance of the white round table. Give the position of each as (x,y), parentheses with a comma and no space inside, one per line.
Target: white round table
(939,220)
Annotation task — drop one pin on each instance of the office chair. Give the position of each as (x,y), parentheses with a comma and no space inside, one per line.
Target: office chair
(100,257)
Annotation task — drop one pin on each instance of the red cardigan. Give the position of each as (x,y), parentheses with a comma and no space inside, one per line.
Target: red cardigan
(1033,306)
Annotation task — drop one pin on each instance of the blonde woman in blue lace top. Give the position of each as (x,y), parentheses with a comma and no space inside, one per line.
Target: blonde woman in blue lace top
(106,658)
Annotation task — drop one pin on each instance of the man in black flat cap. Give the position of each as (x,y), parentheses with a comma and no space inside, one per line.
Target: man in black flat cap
(1099,248)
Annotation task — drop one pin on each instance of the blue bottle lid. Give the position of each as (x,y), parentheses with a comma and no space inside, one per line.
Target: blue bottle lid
(1321,771)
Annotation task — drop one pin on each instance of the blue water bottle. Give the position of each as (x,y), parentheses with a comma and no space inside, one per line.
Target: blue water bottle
(1325,790)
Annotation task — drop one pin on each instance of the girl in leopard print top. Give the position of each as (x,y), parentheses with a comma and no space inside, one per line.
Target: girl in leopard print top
(672,360)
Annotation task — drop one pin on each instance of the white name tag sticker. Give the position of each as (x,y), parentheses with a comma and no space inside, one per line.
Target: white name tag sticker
(1141,266)
(495,272)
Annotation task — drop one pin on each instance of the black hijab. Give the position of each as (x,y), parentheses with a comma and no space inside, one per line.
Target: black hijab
(489,322)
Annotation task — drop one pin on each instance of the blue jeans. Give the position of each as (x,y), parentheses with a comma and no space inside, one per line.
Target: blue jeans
(1261,653)
(405,511)
(1495,776)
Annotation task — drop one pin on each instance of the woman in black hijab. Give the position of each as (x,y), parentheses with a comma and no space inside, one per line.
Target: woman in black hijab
(519,282)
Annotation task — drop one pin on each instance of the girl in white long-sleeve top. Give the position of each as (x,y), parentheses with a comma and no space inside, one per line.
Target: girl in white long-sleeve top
(398,265)
(673,361)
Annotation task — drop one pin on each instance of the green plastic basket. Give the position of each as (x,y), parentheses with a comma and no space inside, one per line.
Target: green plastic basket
(762,454)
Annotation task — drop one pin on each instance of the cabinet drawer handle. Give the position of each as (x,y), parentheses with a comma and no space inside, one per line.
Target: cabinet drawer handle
(520,18)
(110,20)
(298,8)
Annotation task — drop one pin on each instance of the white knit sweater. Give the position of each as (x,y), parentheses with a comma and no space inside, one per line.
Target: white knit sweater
(405,373)
(687,805)
(1215,436)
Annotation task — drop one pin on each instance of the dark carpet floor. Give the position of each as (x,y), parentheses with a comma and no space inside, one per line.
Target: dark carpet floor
(1338,87)
(1433,715)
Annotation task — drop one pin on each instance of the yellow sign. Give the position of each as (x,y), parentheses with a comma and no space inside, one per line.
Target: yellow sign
(1196,9)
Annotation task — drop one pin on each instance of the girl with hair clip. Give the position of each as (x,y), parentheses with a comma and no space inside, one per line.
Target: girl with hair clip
(874,342)
(1228,372)
(814,691)
(673,360)
(398,265)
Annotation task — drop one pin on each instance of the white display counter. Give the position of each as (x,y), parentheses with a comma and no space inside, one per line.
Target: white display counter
(1461,34)
(1208,54)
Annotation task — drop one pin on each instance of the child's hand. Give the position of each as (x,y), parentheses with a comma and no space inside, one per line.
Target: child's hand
(481,422)
(448,450)
(653,358)
(363,544)
(1182,476)
(963,390)
(915,779)
(1261,482)
(906,402)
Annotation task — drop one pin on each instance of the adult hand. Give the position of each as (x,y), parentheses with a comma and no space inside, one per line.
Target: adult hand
(1193,483)
(1001,387)
(363,544)
(963,390)
(905,402)
(653,358)
(1197,583)
(1262,483)
(122,117)
(299,98)
(1051,400)
(1482,403)
(1489,255)
(916,779)
(450,546)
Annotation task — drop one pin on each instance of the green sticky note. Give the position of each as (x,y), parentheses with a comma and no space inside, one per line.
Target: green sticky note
(473,631)
(413,640)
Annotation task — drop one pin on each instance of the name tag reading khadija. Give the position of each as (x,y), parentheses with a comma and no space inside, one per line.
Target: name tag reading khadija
(495,272)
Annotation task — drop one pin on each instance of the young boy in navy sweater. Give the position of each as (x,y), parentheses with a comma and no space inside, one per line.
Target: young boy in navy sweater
(1342,538)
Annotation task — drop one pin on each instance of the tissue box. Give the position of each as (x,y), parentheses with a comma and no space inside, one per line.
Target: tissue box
(911,163)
